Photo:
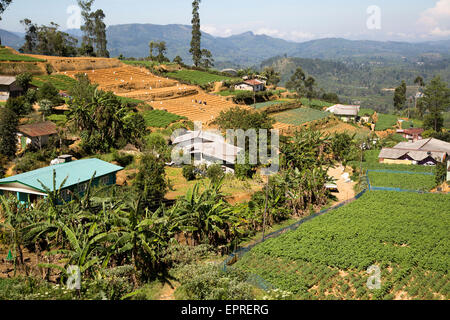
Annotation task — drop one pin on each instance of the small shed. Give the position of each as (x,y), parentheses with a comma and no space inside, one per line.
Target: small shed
(37,134)
(345,112)
(9,88)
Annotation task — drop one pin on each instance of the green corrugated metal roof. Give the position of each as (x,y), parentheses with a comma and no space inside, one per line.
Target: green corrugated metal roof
(77,172)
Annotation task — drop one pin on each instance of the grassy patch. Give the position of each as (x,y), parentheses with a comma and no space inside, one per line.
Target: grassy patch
(7,55)
(198,77)
(160,118)
(315,102)
(60,81)
(300,116)
(386,121)
(404,181)
(59,119)
(366,112)
(269,103)
(232,186)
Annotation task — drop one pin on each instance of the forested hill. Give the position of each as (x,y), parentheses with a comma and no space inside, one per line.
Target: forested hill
(248,49)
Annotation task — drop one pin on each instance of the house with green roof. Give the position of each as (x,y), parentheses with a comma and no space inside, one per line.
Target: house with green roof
(29,186)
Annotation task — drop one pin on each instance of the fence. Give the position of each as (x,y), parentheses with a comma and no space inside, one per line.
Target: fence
(372,188)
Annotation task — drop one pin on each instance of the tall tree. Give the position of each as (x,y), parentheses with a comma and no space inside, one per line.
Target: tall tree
(419,81)
(273,77)
(152,46)
(151,181)
(207,59)
(87,46)
(3,5)
(400,96)
(8,127)
(31,36)
(100,34)
(436,99)
(196,50)
(162,49)
(297,82)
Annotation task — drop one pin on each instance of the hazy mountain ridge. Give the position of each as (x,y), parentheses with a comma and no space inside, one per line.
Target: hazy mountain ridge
(248,49)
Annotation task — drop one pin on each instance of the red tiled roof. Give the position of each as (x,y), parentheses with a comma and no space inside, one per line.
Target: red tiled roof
(38,129)
(253,82)
(413,131)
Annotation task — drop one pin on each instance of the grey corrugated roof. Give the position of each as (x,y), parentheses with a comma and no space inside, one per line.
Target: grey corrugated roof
(7,81)
(430,144)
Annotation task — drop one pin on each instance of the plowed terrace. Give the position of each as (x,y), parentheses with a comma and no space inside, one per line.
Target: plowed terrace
(161,93)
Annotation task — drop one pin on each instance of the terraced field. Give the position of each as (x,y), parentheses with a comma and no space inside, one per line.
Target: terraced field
(300,116)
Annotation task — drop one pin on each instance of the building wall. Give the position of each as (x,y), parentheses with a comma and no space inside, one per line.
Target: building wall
(80,189)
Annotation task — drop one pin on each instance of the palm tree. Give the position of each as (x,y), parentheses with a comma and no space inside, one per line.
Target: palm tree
(206,214)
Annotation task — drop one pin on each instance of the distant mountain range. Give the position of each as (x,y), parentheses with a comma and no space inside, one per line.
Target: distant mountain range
(248,49)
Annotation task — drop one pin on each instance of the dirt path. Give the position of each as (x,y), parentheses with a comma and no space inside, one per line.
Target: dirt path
(346,189)
(167,293)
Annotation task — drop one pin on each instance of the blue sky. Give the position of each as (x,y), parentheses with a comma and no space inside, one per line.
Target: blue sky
(296,20)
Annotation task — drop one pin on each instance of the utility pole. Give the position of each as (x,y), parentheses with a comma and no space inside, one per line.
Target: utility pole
(265,209)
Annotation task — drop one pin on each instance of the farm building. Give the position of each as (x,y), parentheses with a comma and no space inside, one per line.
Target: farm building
(251,85)
(28,188)
(37,134)
(9,88)
(423,152)
(345,112)
(412,134)
(207,148)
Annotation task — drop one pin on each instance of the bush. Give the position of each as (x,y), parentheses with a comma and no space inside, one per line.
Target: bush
(122,159)
(215,172)
(208,282)
(189,172)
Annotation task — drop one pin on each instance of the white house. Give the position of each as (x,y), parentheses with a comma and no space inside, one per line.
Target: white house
(207,148)
(251,85)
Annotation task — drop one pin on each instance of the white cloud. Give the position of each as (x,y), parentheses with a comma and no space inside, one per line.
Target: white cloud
(436,20)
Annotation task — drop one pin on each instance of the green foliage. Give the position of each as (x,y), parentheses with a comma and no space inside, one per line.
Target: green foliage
(24,79)
(123,159)
(386,121)
(160,118)
(59,81)
(389,229)
(20,105)
(215,173)
(208,282)
(239,118)
(8,127)
(441,173)
(343,147)
(7,55)
(189,172)
(416,182)
(50,93)
(104,122)
(47,40)
(151,180)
